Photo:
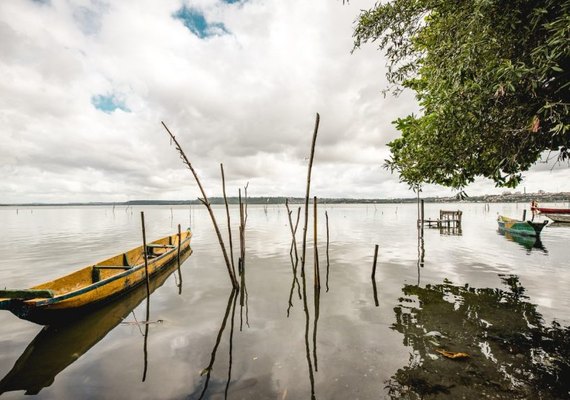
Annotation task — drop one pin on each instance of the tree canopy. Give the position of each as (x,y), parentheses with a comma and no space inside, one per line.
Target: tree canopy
(492,81)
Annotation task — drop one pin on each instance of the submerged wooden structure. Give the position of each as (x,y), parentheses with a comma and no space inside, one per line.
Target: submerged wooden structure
(71,295)
(447,219)
(449,222)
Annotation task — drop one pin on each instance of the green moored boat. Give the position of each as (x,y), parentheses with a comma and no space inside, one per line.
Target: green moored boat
(527,228)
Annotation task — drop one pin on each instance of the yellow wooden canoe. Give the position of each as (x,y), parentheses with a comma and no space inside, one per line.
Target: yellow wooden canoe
(95,284)
(56,347)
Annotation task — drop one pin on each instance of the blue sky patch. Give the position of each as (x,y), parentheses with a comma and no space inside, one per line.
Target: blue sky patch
(195,21)
(230,1)
(108,103)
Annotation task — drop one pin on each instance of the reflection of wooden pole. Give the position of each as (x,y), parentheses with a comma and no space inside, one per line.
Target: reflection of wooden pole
(317,279)
(374,276)
(208,369)
(375,292)
(147,297)
(328,263)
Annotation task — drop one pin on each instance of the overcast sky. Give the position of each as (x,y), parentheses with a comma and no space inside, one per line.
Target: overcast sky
(85,83)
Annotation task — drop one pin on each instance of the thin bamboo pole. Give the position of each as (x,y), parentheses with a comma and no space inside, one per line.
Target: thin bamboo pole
(205,201)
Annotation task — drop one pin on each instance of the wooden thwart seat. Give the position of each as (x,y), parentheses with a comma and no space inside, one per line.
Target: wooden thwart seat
(96,272)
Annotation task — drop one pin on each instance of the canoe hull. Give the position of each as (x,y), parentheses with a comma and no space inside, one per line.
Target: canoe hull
(89,295)
(555,214)
(525,228)
(557,217)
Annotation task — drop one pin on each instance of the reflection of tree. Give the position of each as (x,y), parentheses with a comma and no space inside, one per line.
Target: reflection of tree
(513,354)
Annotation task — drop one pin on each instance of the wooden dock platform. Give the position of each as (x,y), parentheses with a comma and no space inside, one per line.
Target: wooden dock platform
(447,219)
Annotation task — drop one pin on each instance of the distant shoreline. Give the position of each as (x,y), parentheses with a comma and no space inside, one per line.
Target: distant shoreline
(503,198)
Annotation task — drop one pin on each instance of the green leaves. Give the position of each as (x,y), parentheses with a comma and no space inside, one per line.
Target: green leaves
(492,80)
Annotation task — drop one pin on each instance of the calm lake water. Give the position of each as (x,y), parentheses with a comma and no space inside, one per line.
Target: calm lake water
(502,300)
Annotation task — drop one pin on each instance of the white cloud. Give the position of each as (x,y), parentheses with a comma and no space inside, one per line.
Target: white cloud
(247,98)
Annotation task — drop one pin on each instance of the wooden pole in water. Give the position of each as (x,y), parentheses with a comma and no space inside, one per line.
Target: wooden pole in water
(304,248)
(524,215)
(317,278)
(374,264)
(179,271)
(145,262)
(228,216)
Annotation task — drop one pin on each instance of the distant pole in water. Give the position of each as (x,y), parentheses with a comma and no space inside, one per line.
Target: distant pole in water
(524,215)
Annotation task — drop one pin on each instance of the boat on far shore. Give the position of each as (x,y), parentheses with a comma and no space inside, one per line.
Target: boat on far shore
(555,214)
(527,228)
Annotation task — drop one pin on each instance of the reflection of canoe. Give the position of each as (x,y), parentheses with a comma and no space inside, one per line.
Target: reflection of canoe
(73,294)
(527,228)
(555,214)
(528,242)
(57,347)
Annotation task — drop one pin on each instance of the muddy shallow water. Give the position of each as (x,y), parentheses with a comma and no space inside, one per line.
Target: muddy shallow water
(502,301)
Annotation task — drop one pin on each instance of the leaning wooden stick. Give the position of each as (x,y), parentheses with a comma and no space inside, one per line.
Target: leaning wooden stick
(205,201)
(228,216)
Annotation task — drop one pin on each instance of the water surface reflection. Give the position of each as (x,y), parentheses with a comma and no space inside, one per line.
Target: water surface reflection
(513,352)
